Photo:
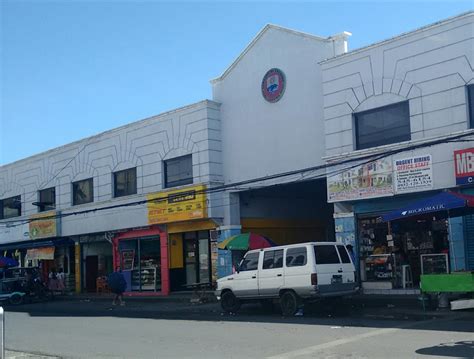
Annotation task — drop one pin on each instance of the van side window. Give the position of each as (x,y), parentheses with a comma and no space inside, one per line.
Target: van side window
(296,257)
(343,254)
(273,259)
(326,254)
(250,262)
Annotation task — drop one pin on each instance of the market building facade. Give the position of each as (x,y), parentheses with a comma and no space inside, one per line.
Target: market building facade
(155,197)
(272,123)
(400,114)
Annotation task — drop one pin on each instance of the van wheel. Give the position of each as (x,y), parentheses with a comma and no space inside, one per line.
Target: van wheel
(289,303)
(229,302)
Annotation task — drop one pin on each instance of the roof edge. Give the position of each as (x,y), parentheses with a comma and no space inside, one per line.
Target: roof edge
(205,102)
(254,41)
(401,36)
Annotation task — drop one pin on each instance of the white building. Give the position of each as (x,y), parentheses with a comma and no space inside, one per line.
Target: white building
(394,95)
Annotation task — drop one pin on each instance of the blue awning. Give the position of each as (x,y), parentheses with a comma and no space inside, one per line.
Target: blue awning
(455,204)
(37,244)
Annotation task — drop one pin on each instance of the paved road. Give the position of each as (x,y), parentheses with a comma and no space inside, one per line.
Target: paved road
(179,330)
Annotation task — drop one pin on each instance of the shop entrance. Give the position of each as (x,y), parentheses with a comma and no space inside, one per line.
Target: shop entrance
(390,252)
(190,259)
(140,260)
(92,272)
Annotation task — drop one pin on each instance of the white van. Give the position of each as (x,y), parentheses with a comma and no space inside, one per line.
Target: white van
(293,274)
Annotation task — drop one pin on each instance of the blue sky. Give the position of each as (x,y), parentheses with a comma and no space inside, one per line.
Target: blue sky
(71,69)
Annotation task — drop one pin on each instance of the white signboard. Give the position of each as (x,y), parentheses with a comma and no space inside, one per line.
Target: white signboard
(368,180)
(413,174)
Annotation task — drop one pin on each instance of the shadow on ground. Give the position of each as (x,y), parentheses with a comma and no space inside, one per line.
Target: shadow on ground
(464,349)
(340,313)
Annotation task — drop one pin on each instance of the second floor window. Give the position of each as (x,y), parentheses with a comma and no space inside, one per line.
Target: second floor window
(125,182)
(10,207)
(179,171)
(83,192)
(47,199)
(470,97)
(382,126)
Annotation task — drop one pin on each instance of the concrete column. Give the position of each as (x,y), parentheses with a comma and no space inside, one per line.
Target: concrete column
(77,263)
(230,228)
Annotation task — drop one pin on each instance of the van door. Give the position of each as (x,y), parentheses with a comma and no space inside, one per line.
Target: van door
(270,278)
(328,267)
(245,283)
(348,274)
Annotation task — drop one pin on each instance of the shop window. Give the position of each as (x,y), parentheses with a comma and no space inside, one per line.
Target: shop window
(47,199)
(343,254)
(125,182)
(382,126)
(273,259)
(10,207)
(250,262)
(296,257)
(179,171)
(142,258)
(82,192)
(470,96)
(326,254)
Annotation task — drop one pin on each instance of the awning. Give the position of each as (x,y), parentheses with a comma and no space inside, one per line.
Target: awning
(37,244)
(453,203)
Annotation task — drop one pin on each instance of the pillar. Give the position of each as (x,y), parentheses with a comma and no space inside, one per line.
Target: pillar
(457,253)
(77,263)
(231,227)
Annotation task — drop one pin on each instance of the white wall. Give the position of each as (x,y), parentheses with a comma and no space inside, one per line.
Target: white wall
(262,138)
(429,67)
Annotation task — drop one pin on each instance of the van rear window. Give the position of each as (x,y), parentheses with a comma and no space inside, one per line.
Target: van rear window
(343,254)
(296,257)
(326,254)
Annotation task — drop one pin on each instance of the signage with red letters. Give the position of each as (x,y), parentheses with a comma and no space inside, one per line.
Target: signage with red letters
(464,166)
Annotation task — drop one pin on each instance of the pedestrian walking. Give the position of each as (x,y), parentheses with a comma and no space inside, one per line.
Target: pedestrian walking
(117,284)
(61,280)
(53,280)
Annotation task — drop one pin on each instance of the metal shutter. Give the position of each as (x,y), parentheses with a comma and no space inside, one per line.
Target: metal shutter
(469,236)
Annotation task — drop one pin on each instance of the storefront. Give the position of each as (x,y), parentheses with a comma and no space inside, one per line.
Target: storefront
(142,255)
(192,253)
(47,255)
(96,260)
(394,254)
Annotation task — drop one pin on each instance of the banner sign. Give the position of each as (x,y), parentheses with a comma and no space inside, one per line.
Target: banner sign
(370,180)
(464,166)
(177,205)
(44,228)
(46,253)
(413,174)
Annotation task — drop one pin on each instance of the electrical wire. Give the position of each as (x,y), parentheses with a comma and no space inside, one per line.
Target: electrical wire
(359,161)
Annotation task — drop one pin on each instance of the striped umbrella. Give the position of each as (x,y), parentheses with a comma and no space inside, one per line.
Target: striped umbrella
(246,241)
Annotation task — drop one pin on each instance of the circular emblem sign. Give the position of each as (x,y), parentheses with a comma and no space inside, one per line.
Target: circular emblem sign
(273,85)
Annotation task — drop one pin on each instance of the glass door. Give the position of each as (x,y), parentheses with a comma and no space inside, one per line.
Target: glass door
(191,257)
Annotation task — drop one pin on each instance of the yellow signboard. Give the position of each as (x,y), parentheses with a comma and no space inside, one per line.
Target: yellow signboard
(177,205)
(43,225)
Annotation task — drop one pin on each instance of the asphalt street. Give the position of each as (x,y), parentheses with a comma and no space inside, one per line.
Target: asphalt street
(95,329)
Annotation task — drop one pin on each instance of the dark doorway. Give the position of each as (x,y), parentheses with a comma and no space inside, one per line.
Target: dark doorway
(92,272)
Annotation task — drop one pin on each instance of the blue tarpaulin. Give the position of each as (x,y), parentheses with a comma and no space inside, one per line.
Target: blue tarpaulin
(455,204)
